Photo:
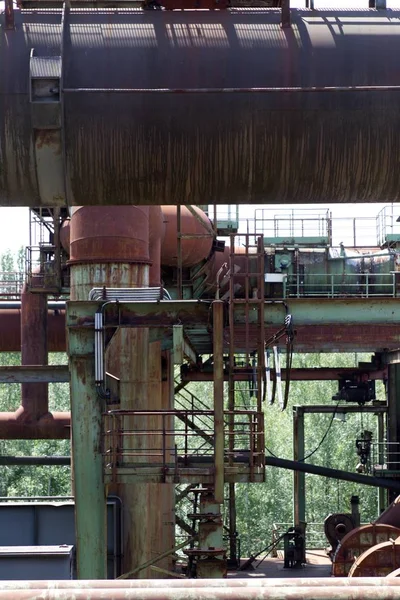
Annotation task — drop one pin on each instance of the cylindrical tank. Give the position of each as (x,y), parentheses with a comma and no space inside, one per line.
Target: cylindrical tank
(194,249)
(117,234)
(128,136)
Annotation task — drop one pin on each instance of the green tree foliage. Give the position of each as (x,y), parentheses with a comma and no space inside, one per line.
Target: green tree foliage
(260,506)
(22,480)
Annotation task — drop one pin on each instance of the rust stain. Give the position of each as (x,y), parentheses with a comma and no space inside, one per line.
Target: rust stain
(48,137)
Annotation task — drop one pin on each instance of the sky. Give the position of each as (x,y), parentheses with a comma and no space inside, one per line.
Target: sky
(14,222)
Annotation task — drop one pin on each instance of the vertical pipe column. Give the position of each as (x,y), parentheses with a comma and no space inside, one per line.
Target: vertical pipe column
(34,352)
(86,421)
(299,491)
(168,489)
(218,351)
(109,247)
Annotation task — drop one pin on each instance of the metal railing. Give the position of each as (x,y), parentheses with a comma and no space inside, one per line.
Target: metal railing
(387,225)
(43,271)
(289,224)
(11,284)
(334,285)
(385,458)
(315,536)
(166,438)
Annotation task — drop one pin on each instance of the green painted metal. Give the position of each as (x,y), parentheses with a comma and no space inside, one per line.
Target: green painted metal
(35,374)
(307,241)
(326,311)
(88,482)
(177,339)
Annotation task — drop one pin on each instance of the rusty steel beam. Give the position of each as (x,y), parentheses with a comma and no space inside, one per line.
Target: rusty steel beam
(165,313)
(320,592)
(35,374)
(299,374)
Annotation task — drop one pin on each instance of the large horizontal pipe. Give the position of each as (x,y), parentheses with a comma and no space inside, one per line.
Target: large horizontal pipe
(10,327)
(322,129)
(54,427)
(321,592)
(241,582)
(294,465)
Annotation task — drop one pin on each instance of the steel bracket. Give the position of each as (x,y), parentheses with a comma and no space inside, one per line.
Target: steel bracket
(46,114)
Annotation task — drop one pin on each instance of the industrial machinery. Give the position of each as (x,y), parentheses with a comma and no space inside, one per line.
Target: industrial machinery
(119,124)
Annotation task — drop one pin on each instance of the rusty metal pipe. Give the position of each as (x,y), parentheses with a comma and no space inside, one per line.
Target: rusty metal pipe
(10,327)
(182,147)
(321,592)
(34,396)
(198,584)
(55,426)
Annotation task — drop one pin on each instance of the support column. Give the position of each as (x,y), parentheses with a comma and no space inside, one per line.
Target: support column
(34,396)
(299,491)
(86,421)
(233,536)
(393,431)
(211,556)
(218,351)
(168,489)
(382,493)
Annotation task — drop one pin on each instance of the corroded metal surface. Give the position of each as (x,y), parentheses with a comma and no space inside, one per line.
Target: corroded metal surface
(52,427)
(10,327)
(165,148)
(391,516)
(110,235)
(378,561)
(358,541)
(231,583)
(194,249)
(34,396)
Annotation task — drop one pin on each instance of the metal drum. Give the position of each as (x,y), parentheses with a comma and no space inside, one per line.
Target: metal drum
(379,561)
(356,542)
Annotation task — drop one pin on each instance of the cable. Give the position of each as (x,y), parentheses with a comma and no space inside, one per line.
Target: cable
(320,443)
(271,453)
(323,437)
